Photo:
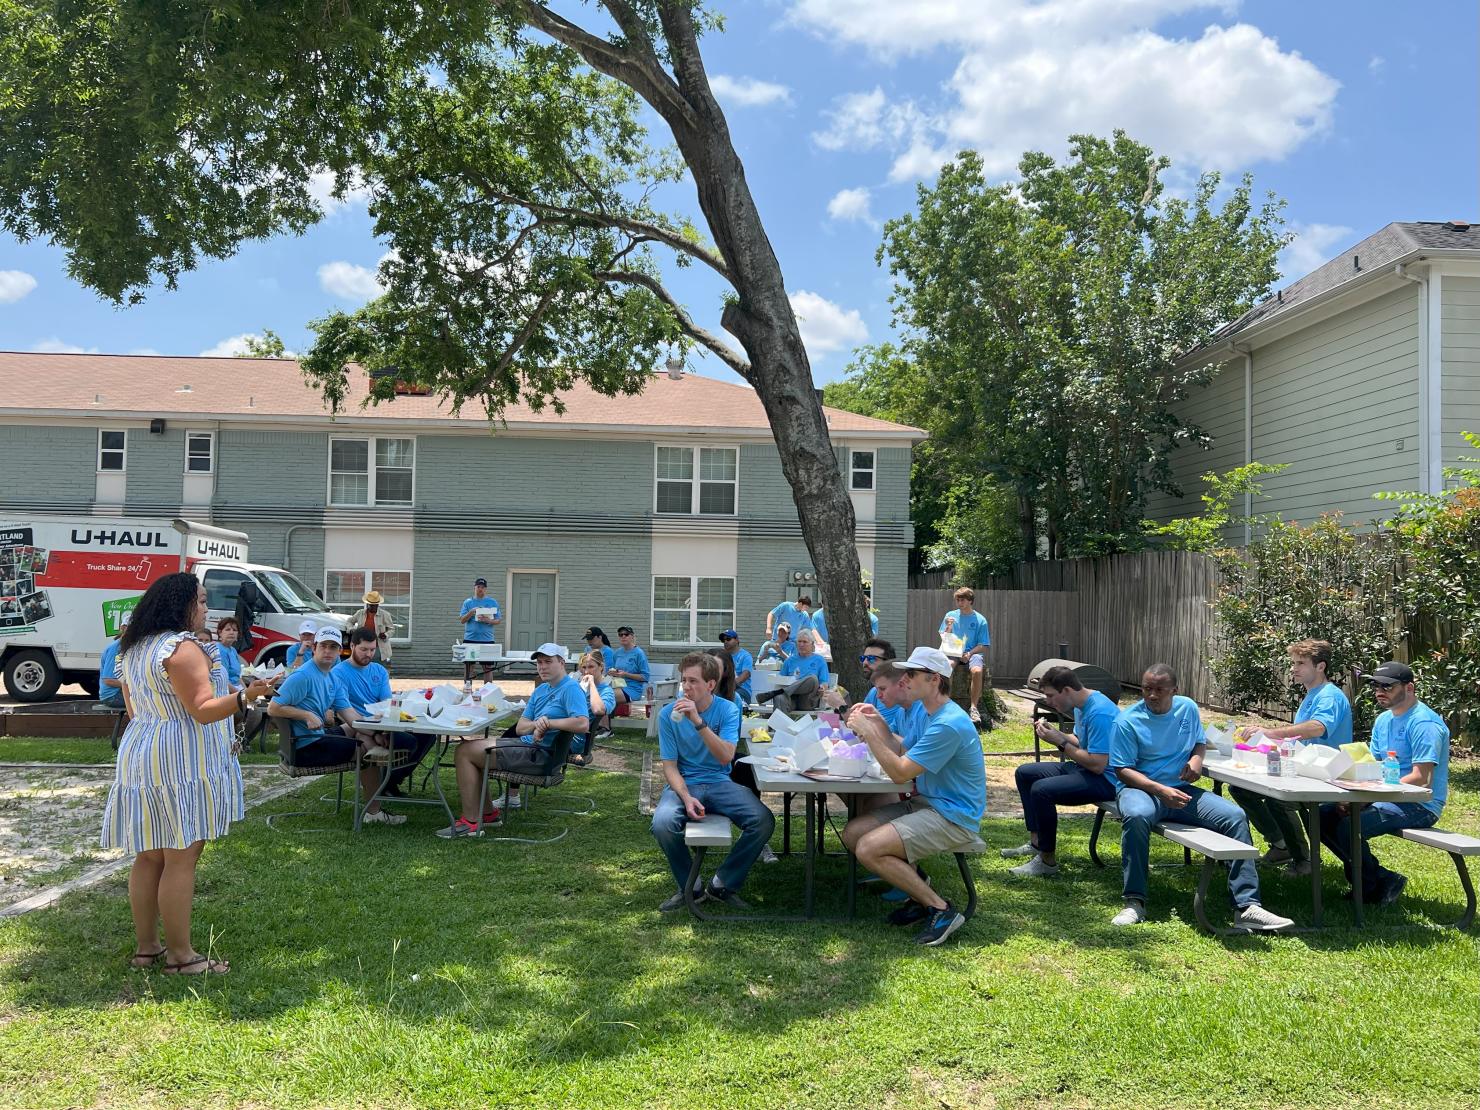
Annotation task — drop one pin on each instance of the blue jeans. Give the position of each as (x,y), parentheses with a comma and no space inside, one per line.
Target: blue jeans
(1046,786)
(1139,811)
(1378,818)
(756,824)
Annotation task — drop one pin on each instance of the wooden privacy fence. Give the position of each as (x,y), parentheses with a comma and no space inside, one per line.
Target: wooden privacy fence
(1120,612)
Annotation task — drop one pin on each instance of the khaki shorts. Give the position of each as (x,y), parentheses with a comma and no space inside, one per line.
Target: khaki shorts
(924,831)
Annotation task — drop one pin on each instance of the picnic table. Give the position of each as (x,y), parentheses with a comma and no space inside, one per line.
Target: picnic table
(1309,794)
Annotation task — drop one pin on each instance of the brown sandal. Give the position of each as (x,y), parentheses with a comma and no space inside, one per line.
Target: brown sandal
(149,958)
(212,967)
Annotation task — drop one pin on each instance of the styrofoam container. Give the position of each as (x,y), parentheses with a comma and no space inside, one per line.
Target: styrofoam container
(847,768)
(1364,772)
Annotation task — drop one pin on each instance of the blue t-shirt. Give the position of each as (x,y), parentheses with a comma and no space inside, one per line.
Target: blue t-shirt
(633,659)
(108,668)
(362,685)
(819,624)
(315,689)
(955,779)
(231,661)
(972,629)
(898,717)
(781,651)
(475,631)
(564,699)
(1327,704)
(1094,723)
(1418,736)
(294,651)
(607,695)
(679,742)
(788,613)
(743,661)
(804,665)
(1156,744)
(607,655)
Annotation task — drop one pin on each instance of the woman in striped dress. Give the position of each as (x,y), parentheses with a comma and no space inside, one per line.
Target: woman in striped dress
(178,783)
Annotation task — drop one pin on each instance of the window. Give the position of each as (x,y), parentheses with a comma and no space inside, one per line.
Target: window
(112,450)
(692,610)
(344,591)
(861,471)
(377,471)
(200,451)
(705,477)
(222,587)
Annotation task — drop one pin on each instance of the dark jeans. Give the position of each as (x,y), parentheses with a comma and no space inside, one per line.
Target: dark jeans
(1276,820)
(1378,818)
(1046,786)
(756,824)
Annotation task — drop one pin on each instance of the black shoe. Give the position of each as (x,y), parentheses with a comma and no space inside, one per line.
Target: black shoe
(1389,890)
(603,734)
(942,924)
(392,791)
(911,913)
(675,901)
(727,896)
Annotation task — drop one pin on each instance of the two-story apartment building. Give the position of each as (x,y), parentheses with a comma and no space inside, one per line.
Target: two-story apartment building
(666,510)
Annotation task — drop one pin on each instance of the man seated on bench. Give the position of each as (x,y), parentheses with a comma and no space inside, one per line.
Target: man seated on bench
(630,664)
(1157,756)
(558,704)
(875,651)
(697,735)
(110,685)
(943,754)
(1082,780)
(811,670)
(966,622)
(1420,738)
(363,682)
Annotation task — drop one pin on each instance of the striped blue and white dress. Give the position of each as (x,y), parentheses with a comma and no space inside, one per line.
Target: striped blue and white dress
(177,780)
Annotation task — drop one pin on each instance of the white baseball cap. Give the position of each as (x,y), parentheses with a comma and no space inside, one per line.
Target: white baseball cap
(555,651)
(307,628)
(926,659)
(328,634)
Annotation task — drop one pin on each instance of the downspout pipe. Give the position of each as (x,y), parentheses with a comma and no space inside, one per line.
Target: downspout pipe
(1426,387)
(1248,356)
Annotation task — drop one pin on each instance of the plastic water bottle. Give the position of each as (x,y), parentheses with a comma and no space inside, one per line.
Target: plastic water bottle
(1392,770)
(1273,766)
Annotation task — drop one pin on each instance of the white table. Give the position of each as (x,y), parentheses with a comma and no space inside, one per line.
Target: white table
(447,734)
(790,782)
(1309,794)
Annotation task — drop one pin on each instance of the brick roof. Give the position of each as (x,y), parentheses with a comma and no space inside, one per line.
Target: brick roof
(275,389)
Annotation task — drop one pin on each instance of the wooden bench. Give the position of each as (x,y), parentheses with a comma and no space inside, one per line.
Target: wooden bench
(1458,845)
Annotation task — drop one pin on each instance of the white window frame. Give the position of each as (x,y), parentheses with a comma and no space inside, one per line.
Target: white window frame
(872,471)
(697,481)
(694,580)
(371,501)
(122,469)
(211,458)
(402,635)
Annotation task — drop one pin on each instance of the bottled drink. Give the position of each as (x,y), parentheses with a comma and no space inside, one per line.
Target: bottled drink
(1392,770)
(1274,761)
(467,687)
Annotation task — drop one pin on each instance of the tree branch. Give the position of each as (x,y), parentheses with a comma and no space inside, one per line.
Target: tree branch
(535,315)
(706,338)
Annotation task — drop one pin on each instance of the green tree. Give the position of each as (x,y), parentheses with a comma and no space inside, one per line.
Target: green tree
(1045,318)
(267,345)
(504,150)
(1204,532)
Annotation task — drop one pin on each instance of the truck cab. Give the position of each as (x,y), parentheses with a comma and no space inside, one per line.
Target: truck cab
(285,603)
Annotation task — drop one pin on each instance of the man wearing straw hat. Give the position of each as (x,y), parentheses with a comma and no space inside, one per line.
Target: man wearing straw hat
(378,621)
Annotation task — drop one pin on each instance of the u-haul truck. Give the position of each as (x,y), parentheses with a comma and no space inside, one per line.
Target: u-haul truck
(67,582)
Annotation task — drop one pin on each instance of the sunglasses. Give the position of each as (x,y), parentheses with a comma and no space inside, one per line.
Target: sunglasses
(870,658)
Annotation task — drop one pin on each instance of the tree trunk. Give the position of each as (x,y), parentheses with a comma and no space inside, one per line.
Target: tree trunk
(1028,528)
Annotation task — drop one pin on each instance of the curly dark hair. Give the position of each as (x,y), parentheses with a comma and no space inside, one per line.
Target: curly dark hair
(165,607)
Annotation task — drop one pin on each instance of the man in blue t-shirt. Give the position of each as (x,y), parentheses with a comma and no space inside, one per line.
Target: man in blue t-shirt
(557,706)
(478,616)
(797,614)
(1420,739)
(944,758)
(1324,717)
(1157,756)
(964,621)
(819,624)
(110,685)
(811,672)
(1079,779)
(364,682)
(697,735)
(630,664)
(744,663)
(301,653)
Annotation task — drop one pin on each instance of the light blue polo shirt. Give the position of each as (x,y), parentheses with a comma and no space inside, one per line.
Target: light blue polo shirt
(231,660)
(1094,725)
(108,668)
(362,685)
(804,665)
(786,613)
(679,742)
(317,690)
(1418,736)
(1156,744)
(743,661)
(475,631)
(819,624)
(955,779)
(633,659)
(972,629)
(564,699)
(1328,705)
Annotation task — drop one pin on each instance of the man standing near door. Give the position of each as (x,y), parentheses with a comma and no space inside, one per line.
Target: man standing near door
(478,629)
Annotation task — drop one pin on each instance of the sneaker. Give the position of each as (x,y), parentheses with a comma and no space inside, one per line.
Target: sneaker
(1257,919)
(727,896)
(942,924)
(1133,914)
(493,817)
(1022,851)
(911,913)
(894,894)
(381,817)
(1277,854)
(1035,868)
(675,900)
(976,719)
(1300,868)
(1388,892)
(768,856)
(516,801)
(604,734)
(459,828)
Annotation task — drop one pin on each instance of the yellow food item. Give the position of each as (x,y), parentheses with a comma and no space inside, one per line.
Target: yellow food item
(760,736)
(407,716)
(1359,752)
(463,722)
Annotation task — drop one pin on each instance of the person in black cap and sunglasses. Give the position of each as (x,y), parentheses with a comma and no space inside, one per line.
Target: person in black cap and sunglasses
(596,641)
(1420,739)
(478,615)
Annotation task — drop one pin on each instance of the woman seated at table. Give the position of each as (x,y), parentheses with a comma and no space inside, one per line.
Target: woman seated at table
(601,700)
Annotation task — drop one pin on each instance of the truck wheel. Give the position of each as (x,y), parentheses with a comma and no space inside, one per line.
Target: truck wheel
(32,675)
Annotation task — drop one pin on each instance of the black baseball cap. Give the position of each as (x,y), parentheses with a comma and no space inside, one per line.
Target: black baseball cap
(480,581)
(1391,674)
(625,630)
(594,630)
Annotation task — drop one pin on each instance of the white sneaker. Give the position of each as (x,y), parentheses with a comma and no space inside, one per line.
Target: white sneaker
(1020,852)
(381,817)
(515,801)
(976,715)
(1133,914)
(1035,868)
(1256,918)
(768,856)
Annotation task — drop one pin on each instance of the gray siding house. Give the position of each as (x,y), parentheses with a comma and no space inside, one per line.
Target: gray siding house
(1361,376)
(667,510)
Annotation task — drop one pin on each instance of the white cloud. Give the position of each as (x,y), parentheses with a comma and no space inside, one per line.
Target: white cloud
(321,189)
(851,204)
(56,346)
(1375,64)
(15,284)
(1029,74)
(1313,245)
(747,92)
(825,326)
(345,279)
(143,351)
(230,347)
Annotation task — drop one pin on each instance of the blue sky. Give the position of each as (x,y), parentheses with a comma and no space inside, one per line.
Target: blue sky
(1357,113)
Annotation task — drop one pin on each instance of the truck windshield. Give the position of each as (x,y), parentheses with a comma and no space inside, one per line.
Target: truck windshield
(291,595)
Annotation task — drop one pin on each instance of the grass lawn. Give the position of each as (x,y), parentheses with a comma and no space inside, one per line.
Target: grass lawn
(397,969)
